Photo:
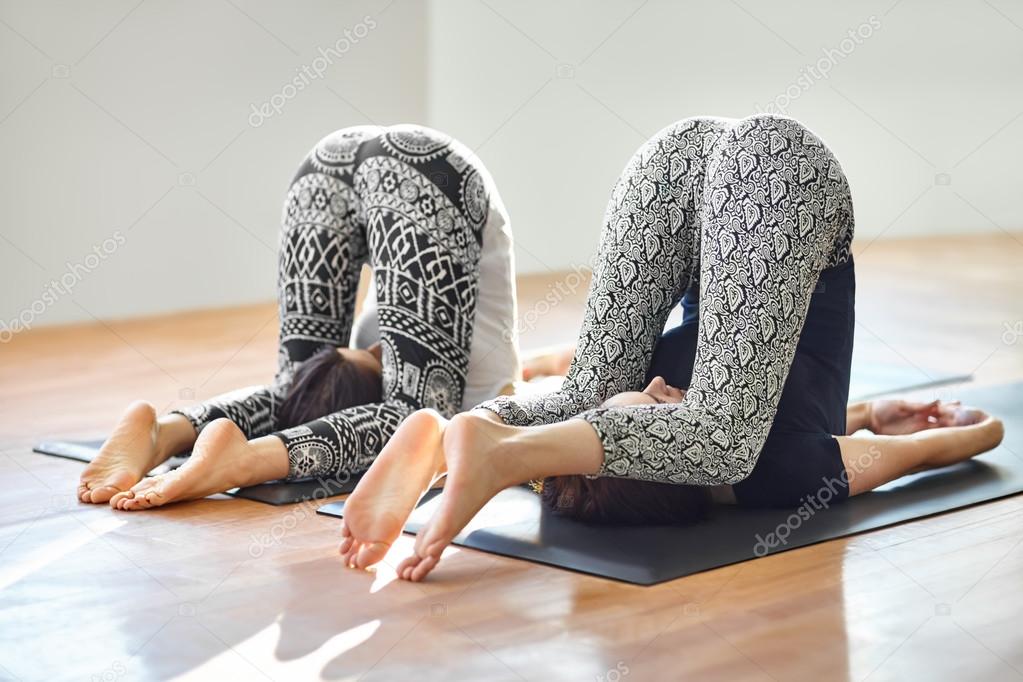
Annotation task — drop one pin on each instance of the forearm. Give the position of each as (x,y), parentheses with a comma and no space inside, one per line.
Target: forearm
(872,460)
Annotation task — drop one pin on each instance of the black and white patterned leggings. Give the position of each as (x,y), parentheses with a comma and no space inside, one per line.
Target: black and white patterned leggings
(754,208)
(412,203)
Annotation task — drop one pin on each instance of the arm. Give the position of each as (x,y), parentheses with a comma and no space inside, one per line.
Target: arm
(872,460)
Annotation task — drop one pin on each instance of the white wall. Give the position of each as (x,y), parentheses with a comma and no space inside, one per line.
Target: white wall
(135,119)
(935,89)
(133,123)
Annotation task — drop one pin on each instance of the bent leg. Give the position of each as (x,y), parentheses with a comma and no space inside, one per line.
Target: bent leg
(321,251)
(424,202)
(648,253)
(776,209)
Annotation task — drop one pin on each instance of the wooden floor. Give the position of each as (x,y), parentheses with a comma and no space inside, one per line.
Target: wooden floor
(243,590)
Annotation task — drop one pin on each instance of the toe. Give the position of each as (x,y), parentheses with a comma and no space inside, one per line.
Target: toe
(423,568)
(102,493)
(404,570)
(117,500)
(371,553)
(353,551)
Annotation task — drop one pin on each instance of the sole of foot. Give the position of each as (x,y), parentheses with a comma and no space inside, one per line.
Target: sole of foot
(377,509)
(475,473)
(127,455)
(220,459)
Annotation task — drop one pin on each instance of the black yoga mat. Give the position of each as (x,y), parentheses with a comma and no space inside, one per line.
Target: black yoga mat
(270,493)
(514,523)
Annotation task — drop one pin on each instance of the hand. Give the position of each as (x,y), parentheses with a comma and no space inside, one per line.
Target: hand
(955,414)
(900,417)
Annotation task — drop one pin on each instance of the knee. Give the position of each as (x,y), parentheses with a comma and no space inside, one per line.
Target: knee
(687,138)
(341,146)
(776,124)
(774,135)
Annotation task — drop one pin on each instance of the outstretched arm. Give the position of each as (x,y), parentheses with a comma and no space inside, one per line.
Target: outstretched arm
(899,417)
(874,459)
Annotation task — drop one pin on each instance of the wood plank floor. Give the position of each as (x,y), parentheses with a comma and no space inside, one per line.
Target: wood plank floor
(238,589)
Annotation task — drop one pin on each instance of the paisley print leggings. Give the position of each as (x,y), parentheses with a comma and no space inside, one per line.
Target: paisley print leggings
(412,203)
(753,211)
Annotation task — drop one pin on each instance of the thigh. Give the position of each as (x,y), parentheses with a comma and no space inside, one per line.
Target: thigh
(647,257)
(424,204)
(795,469)
(322,248)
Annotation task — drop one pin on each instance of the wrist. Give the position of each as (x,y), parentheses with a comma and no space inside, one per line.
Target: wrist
(868,417)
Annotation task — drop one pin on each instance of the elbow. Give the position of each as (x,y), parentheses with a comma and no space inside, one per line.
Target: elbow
(738,458)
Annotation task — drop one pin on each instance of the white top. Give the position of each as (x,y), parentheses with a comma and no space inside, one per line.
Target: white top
(494,352)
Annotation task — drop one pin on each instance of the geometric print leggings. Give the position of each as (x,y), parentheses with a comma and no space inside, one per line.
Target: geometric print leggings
(755,208)
(412,203)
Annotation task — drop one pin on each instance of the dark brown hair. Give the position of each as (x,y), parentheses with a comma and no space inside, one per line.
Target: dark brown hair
(625,501)
(327,383)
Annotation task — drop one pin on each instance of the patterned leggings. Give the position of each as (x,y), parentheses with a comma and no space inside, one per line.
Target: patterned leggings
(755,209)
(412,203)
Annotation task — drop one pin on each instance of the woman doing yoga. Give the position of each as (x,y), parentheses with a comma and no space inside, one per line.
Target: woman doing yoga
(749,223)
(423,212)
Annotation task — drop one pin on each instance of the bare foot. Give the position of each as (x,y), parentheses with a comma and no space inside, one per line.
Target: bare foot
(221,459)
(377,509)
(477,469)
(127,455)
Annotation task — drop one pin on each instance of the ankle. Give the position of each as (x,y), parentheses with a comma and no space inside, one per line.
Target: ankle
(271,462)
(174,435)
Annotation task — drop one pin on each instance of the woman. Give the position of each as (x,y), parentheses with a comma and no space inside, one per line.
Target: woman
(750,223)
(423,212)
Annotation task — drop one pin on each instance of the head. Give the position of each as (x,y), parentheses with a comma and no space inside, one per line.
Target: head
(628,501)
(657,392)
(332,380)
